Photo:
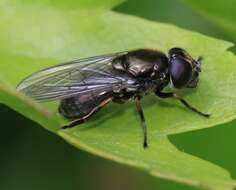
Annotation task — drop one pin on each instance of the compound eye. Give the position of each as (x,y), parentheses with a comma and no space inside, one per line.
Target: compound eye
(180,71)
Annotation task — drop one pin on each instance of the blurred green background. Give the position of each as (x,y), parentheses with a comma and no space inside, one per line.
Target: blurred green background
(33,158)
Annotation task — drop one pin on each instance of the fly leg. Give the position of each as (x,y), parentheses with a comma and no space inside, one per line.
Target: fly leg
(184,102)
(140,111)
(199,59)
(93,111)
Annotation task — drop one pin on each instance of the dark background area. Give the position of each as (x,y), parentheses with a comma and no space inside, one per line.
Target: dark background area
(33,158)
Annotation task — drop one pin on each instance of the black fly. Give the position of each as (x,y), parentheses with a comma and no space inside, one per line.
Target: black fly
(85,86)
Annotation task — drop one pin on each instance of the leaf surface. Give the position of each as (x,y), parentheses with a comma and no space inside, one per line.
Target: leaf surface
(221,13)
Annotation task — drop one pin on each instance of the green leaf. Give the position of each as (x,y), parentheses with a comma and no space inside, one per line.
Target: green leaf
(61,4)
(34,36)
(221,13)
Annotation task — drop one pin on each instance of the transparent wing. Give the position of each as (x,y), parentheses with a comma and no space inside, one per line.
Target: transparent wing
(81,76)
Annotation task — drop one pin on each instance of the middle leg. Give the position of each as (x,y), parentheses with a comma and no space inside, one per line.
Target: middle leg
(141,114)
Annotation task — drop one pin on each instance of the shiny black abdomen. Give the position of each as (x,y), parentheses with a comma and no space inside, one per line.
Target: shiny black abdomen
(79,106)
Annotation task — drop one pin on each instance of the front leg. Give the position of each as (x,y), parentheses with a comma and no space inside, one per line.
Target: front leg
(184,102)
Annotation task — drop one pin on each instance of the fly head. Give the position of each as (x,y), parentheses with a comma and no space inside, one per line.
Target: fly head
(184,70)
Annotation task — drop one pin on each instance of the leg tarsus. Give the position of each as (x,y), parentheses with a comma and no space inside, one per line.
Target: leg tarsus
(74,123)
(184,102)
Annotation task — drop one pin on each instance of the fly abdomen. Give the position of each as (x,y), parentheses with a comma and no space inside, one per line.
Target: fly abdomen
(72,108)
(79,106)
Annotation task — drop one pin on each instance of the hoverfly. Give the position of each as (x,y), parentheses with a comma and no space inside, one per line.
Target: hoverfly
(84,86)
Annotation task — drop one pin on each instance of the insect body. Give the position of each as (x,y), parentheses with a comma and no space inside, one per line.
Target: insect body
(85,86)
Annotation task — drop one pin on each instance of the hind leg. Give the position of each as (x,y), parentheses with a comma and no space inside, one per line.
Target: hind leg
(93,111)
